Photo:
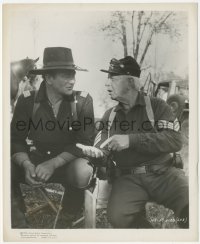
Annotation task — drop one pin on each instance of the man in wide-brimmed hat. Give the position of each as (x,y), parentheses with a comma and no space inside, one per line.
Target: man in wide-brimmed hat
(137,146)
(54,119)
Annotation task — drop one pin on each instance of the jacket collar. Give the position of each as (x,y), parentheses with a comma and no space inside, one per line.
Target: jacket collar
(42,95)
(139,102)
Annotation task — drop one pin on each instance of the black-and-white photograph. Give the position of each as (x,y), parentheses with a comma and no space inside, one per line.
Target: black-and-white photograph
(99,117)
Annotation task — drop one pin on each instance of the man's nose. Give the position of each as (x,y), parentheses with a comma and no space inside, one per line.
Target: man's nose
(71,80)
(107,84)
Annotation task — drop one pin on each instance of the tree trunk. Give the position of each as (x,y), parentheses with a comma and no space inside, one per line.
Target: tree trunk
(124,38)
(138,34)
(133,35)
(146,48)
(162,21)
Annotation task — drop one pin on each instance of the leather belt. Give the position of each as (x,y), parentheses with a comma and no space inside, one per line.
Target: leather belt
(146,168)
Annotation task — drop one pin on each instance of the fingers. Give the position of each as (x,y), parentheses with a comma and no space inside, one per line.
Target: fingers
(32,172)
(113,144)
(46,178)
(41,174)
(81,146)
(106,142)
(31,181)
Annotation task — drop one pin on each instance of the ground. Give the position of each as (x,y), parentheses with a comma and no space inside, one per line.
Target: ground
(45,217)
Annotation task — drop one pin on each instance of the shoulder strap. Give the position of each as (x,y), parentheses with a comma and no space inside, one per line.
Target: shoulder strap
(111,119)
(80,98)
(35,104)
(74,108)
(149,110)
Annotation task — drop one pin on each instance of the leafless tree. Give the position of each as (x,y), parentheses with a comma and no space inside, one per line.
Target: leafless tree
(136,30)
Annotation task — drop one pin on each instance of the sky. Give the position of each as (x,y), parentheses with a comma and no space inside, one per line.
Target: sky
(32,28)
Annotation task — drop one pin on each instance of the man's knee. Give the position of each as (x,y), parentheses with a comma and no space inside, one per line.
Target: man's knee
(118,216)
(79,173)
(120,219)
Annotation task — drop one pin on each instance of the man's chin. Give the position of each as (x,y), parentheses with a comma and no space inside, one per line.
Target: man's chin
(112,97)
(68,93)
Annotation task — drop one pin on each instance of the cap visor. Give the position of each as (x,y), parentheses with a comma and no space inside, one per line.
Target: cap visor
(109,72)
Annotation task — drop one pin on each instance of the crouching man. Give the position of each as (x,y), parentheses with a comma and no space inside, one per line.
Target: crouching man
(137,144)
(54,118)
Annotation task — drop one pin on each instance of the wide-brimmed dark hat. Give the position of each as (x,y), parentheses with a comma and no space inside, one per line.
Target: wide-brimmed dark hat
(124,66)
(57,58)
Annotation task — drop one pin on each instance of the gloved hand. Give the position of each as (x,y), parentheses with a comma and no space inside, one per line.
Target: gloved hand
(90,151)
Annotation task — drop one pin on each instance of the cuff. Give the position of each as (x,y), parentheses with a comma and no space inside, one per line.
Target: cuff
(20,157)
(66,156)
(72,149)
(134,140)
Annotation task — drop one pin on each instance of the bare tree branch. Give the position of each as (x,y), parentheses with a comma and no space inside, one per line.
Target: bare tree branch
(155,27)
(148,43)
(133,34)
(138,34)
(142,26)
(164,20)
(124,37)
(146,67)
(145,24)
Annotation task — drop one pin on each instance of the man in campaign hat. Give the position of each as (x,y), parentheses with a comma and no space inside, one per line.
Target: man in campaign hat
(54,119)
(136,142)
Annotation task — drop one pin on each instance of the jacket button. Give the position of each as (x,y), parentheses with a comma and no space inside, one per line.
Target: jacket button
(70,128)
(48,152)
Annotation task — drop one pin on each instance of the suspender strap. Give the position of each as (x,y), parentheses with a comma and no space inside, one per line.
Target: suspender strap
(111,119)
(36,105)
(149,110)
(74,109)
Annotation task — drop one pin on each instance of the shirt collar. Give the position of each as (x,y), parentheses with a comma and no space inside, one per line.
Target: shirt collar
(139,102)
(41,95)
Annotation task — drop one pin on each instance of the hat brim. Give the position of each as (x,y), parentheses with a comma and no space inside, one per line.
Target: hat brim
(45,70)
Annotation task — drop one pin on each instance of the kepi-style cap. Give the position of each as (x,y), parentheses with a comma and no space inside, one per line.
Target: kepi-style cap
(124,66)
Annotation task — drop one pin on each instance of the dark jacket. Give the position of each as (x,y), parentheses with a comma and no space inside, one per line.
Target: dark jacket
(48,133)
(148,145)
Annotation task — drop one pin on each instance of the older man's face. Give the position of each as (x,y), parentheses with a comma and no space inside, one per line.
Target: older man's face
(117,87)
(63,82)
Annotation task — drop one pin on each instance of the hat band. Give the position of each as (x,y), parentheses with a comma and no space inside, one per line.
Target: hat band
(57,64)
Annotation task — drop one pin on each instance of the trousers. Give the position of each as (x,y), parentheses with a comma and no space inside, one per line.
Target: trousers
(74,176)
(131,192)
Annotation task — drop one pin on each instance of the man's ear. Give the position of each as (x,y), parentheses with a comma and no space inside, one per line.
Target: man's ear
(130,82)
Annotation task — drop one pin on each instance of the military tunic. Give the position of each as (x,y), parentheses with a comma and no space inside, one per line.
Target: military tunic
(147,144)
(149,147)
(50,134)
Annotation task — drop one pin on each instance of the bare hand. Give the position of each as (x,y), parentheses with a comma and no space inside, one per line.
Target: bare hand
(116,142)
(45,170)
(90,151)
(30,175)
